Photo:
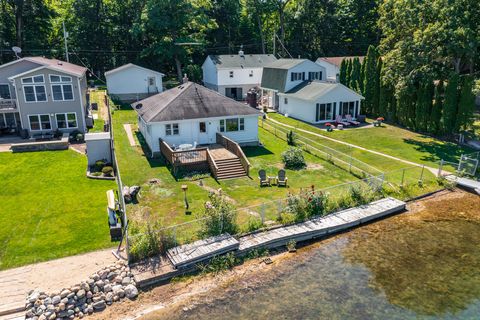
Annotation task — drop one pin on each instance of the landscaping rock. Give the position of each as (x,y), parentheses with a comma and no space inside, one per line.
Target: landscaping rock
(64,293)
(131,291)
(56,300)
(126,281)
(99,305)
(81,293)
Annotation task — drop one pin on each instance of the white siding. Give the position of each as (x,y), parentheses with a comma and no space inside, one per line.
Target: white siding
(331,69)
(133,80)
(298,109)
(307,66)
(240,77)
(209,72)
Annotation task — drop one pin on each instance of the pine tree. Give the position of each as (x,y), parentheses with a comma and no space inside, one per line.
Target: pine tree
(429,95)
(421,108)
(370,76)
(466,105)
(343,72)
(349,72)
(437,110)
(362,77)
(355,77)
(451,104)
(376,93)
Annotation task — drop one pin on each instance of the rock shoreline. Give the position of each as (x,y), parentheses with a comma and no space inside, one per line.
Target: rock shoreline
(108,285)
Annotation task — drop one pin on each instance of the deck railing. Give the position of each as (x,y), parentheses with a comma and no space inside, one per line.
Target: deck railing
(8,104)
(211,164)
(234,148)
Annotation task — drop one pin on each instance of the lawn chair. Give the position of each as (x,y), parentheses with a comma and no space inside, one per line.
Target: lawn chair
(339,120)
(282,179)
(262,176)
(350,120)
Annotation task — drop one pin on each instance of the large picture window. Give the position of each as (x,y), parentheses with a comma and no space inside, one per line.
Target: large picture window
(35,93)
(39,122)
(171,129)
(5,91)
(66,120)
(62,92)
(233,124)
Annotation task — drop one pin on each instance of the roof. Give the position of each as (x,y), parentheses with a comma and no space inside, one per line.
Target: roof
(337,61)
(93,136)
(129,65)
(312,90)
(285,63)
(236,61)
(275,74)
(190,101)
(53,64)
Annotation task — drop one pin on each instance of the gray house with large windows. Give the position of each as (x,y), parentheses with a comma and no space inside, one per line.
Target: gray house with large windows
(42,95)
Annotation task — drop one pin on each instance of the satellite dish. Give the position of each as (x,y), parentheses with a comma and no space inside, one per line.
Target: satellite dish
(17,51)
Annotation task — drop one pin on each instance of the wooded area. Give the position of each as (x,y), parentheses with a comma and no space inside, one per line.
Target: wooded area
(428,48)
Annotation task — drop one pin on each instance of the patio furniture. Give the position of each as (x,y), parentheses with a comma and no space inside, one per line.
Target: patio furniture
(272,180)
(282,179)
(361,118)
(349,119)
(262,176)
(339,121)
(185,147)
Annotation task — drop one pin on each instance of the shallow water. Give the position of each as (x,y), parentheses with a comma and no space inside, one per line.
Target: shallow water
(424,265)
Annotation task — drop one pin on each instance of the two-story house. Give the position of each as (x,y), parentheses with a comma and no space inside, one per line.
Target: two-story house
(297,88)
(332,65)
(234,75)
(42,95)
(285,74)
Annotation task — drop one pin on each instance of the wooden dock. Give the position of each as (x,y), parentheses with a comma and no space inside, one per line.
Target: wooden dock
(470,184)
(183,259)
(201,250)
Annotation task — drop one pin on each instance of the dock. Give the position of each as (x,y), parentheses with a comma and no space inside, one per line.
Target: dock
(470,184)
(184,259)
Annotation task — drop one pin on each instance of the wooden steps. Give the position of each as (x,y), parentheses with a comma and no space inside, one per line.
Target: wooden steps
(230,169)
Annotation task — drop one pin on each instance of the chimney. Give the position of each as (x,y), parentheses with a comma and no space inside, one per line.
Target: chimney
(185,78)
(241,53)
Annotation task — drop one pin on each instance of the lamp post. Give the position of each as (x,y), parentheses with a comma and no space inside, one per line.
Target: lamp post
(184,188)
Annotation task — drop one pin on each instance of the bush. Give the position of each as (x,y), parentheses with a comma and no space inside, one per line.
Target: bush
(96,174)
(219,263)
(304,206)
(149,241)
(291,138)
(99,164)
(219,216)
(79,137)
(293,158)
(107,171)
(253,224)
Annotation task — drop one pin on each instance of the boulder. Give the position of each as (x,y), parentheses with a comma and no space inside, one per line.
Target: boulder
(56,300)
(126,281)
(99,305)
(81,293)
(131,291)
(64,293)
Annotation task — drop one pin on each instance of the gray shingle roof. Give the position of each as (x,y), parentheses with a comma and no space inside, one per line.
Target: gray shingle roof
(236,61)
(190,101)
(275,74)
(311,90)
(285,63)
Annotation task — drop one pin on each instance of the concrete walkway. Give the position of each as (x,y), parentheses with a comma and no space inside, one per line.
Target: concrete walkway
(431,169)
(128,130)
(48,276)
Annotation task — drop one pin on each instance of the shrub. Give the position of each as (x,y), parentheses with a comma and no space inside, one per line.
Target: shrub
(293,158)
(96,174)
(79,137)
(304,205)
(253,225)
(219,216)
(291,138)
(149,241)
(219,263)
(99,164)
(291,245)
(107,171)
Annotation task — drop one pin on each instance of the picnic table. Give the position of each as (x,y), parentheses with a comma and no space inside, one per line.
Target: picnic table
(185,147)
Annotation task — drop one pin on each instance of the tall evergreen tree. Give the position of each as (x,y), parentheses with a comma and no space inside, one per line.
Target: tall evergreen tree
(342,77)
(348,74)
(355,76)
(376,92)
(370,79)
(362,77)
(437,110)
(466,105)
(450,106)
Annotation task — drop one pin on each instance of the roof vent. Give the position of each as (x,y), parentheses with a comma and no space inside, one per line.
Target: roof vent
(59,63)
(139,106)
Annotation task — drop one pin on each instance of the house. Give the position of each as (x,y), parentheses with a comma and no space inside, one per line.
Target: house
(285,74)
(320,101)
(133,83)
(193,114)
(234,75)
(42,95)
(332,65)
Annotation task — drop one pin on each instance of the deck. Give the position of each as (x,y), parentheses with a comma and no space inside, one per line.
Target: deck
(218,152)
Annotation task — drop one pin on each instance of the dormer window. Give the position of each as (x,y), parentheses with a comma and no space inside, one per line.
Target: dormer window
(231,74)
(296,76)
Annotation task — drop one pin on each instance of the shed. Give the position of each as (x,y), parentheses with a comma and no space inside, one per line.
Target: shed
(98,147)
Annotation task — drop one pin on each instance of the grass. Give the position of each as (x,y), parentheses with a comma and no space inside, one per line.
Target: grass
(49,208)
(391,140)
(97,96)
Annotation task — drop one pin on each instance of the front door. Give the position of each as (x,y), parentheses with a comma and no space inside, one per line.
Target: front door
(202,128)
(152,85)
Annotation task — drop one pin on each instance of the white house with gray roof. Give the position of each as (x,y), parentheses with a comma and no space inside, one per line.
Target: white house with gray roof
(41,96)
(233,75)
(285,74)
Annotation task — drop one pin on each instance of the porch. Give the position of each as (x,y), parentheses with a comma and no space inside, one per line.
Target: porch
(224,159)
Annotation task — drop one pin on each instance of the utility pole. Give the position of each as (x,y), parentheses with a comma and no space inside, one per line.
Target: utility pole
(65,36)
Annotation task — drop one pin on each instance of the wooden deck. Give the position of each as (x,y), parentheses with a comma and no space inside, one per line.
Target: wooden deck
(201,250)
(220,153)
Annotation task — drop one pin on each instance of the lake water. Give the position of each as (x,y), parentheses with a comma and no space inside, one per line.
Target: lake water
(424,265)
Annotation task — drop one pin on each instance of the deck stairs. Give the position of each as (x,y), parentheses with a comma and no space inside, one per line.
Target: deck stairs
(230,168)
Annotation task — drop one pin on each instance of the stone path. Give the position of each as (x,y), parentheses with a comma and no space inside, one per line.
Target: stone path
(128,130)
(431,169)
(48,276)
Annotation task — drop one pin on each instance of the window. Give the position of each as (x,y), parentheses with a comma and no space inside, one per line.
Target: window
(347,108)
(285,100)
(325,111)
(5,91)
(57,78)
(151,81)
(171,129)
(203,127)
(39,122)
(251,73)
(62,92)
(233,124)
(34,93)
(315,75)
(295,76)
(35,79)
(66,120)
(231,74)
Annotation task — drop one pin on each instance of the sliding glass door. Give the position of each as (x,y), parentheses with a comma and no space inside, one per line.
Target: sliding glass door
(325,111)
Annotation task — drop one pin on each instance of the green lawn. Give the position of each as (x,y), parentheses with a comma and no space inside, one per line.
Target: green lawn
(97,96)
(390,140)
(49,209)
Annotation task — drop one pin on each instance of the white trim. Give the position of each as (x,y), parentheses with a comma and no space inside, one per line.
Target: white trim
(35,91)
(9,90)
(66,120)
(26,73)
(61,80)
(207,119)
(81,105)
(33,80)
(63,93)
(129,65)
(40,121)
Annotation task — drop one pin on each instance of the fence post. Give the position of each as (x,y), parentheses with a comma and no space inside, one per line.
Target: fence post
(440,167)
(262,213)
(381,181)
(421,174)
(350,166)
(403,177)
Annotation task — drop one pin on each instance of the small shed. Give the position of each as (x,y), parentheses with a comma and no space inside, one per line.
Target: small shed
(98,147)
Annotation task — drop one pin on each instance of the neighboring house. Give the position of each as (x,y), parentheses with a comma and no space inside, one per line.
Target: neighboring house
(285,74)
(332,65)
(320,102)
(42,95)
(234,75)
(133,83)
(193,114)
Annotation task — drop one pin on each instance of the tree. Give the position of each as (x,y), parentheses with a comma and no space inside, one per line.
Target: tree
(376,92)
(370,79)
(348,73)
(343,72)
(450,107)
(466,105)
(437,110)
(355,75)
